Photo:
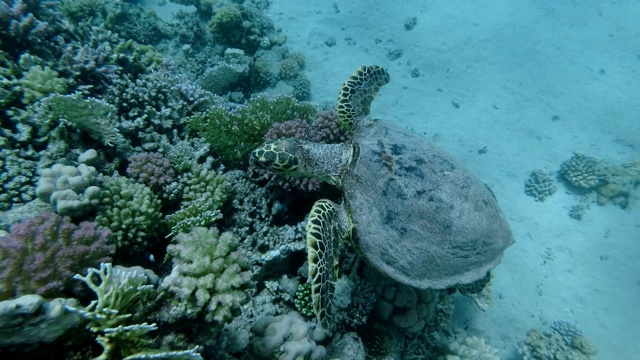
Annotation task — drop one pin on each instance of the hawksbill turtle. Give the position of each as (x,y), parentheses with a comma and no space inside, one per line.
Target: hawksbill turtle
(412,211)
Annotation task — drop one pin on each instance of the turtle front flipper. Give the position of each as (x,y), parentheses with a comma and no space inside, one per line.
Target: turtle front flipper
(327,226)
(357,94)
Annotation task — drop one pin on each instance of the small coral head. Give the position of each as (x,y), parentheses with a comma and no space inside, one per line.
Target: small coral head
(281,156)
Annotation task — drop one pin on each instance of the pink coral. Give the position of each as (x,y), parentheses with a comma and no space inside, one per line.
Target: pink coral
(151,169)
(41,254)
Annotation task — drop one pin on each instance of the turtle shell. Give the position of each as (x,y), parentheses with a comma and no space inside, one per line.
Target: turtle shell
(419,216)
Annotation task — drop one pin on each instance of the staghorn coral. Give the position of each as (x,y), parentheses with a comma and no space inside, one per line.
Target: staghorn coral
(131,211)
(203,193)
(152,108)
(209,276)
(28,24)
(40,254)
(540,185)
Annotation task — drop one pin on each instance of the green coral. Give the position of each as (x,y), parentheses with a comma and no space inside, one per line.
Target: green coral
(241,26)
(303,301)
(210,275)
(38,82)
(118,291)
(131,211)
(234,133)
(90,115)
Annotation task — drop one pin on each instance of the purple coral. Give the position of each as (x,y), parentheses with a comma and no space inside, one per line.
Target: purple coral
(327,128)
(151,169)
(324,129)
(41,254)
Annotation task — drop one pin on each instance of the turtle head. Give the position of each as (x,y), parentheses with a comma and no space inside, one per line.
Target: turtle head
(281,156)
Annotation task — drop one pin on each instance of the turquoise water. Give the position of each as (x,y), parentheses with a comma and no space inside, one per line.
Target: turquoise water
(136,120)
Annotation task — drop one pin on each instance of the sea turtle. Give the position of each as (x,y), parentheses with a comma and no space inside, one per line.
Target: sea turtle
(413,212)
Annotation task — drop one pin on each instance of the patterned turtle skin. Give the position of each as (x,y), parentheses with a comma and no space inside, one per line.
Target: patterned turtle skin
(412,211)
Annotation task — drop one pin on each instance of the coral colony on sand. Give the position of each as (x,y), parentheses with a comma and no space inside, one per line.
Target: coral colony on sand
(132,227)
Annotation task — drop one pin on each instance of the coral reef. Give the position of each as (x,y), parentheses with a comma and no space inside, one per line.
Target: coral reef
(209,277)
(540,185)
(69,188)
(40,254)
(471,348)
(131,211)
(563,340)
(234,132)
(612,183)
(151,169)
(118,290)
(287,337)
(583,171)
(242,26)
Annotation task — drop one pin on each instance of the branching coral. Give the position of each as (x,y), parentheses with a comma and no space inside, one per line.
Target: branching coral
(90,115)
(39,255)
(209,276)
(151,169)
(131,211)
(118,291)
(234,132)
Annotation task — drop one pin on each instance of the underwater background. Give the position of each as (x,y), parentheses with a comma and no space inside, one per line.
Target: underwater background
(126,133)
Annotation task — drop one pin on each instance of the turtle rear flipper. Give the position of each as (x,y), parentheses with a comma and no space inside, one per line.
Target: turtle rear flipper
(357,94)
(327,226)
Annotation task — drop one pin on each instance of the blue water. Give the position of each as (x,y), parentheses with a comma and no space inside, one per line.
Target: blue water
(507,88)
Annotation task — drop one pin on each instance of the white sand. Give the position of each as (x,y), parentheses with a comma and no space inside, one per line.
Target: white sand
(511,66)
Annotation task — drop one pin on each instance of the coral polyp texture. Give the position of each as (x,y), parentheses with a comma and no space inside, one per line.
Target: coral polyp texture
(209,277)
(39,255)
(540,185)
(131,211)
(563,340)
(151,169)
(584,171)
